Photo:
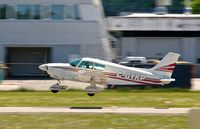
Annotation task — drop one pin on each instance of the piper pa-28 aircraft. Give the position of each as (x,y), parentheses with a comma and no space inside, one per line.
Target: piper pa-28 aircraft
(99,72)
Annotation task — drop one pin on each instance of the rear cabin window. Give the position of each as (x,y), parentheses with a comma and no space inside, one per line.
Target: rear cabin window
(86,64)
(99,66)
(75,62)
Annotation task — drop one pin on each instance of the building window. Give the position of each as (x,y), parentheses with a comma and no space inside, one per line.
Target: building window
(71,12)
(26,11)
(57,12)
(23,11)
(35,11)
(45,12)
(198,60)
(10,12)
(2,11)
(77,13)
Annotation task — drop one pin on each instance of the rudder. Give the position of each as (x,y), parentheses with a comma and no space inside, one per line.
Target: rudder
(166,65)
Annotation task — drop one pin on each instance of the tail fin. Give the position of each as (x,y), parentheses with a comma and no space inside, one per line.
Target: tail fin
(166,65)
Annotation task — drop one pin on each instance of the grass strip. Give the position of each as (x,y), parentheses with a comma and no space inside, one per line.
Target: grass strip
(104,99)
(91,121)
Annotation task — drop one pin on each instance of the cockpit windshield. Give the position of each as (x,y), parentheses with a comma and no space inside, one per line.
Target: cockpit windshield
(75,63)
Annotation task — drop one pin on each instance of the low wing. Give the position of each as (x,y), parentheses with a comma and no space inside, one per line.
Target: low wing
(87,75)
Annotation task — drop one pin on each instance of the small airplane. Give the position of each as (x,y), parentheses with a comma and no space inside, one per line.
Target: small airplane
(99,72)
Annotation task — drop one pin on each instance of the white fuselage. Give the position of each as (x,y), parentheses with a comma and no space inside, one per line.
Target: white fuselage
(95,71)
(113,74)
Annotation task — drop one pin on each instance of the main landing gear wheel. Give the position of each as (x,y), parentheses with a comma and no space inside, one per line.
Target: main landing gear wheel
(92,89)
(90,94)
(55,88)
(54,91)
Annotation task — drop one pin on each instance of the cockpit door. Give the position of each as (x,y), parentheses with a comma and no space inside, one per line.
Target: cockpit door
(85,66)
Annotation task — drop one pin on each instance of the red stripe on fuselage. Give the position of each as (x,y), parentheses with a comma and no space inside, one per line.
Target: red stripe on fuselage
(152,80)
(145,81)
(111,74)
(137,81)
(114,76)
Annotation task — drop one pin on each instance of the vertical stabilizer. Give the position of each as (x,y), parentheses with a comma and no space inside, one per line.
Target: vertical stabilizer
(166,65)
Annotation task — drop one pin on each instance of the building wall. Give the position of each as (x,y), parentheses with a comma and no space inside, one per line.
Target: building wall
(48,32)
(197,53)
(63,53)
(2,55)
(68,29)
(64,33)
(129,46)
(158,47)
(189,45)
(198,49)
(153,22)
(153,35)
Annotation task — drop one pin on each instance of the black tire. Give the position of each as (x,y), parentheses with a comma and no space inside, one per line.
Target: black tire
(55,91)
(109,86)
(90,94)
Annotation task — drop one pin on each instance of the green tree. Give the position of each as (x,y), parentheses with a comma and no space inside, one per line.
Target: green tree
(113,7)
(195,6)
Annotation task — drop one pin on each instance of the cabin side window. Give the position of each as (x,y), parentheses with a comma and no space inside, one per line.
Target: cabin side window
(86,64)
(98,66)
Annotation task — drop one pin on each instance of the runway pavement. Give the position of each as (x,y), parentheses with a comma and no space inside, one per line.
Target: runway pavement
(114,110)
(43,85)
(38,85)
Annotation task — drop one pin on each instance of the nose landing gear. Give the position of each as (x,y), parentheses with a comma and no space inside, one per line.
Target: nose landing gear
(56,88)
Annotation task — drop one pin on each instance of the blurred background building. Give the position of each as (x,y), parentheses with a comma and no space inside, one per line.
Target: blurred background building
(157,31)
(33,32)
(153,36)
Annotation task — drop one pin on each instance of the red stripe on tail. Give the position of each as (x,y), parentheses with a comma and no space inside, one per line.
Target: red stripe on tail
(168,68)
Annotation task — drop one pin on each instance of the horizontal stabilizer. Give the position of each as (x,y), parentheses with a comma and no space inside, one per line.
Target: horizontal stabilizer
(167,81)
(166,65)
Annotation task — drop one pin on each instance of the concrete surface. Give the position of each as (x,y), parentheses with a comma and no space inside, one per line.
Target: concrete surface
(195,84)
(40,85)
(194,118)
(125,110)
